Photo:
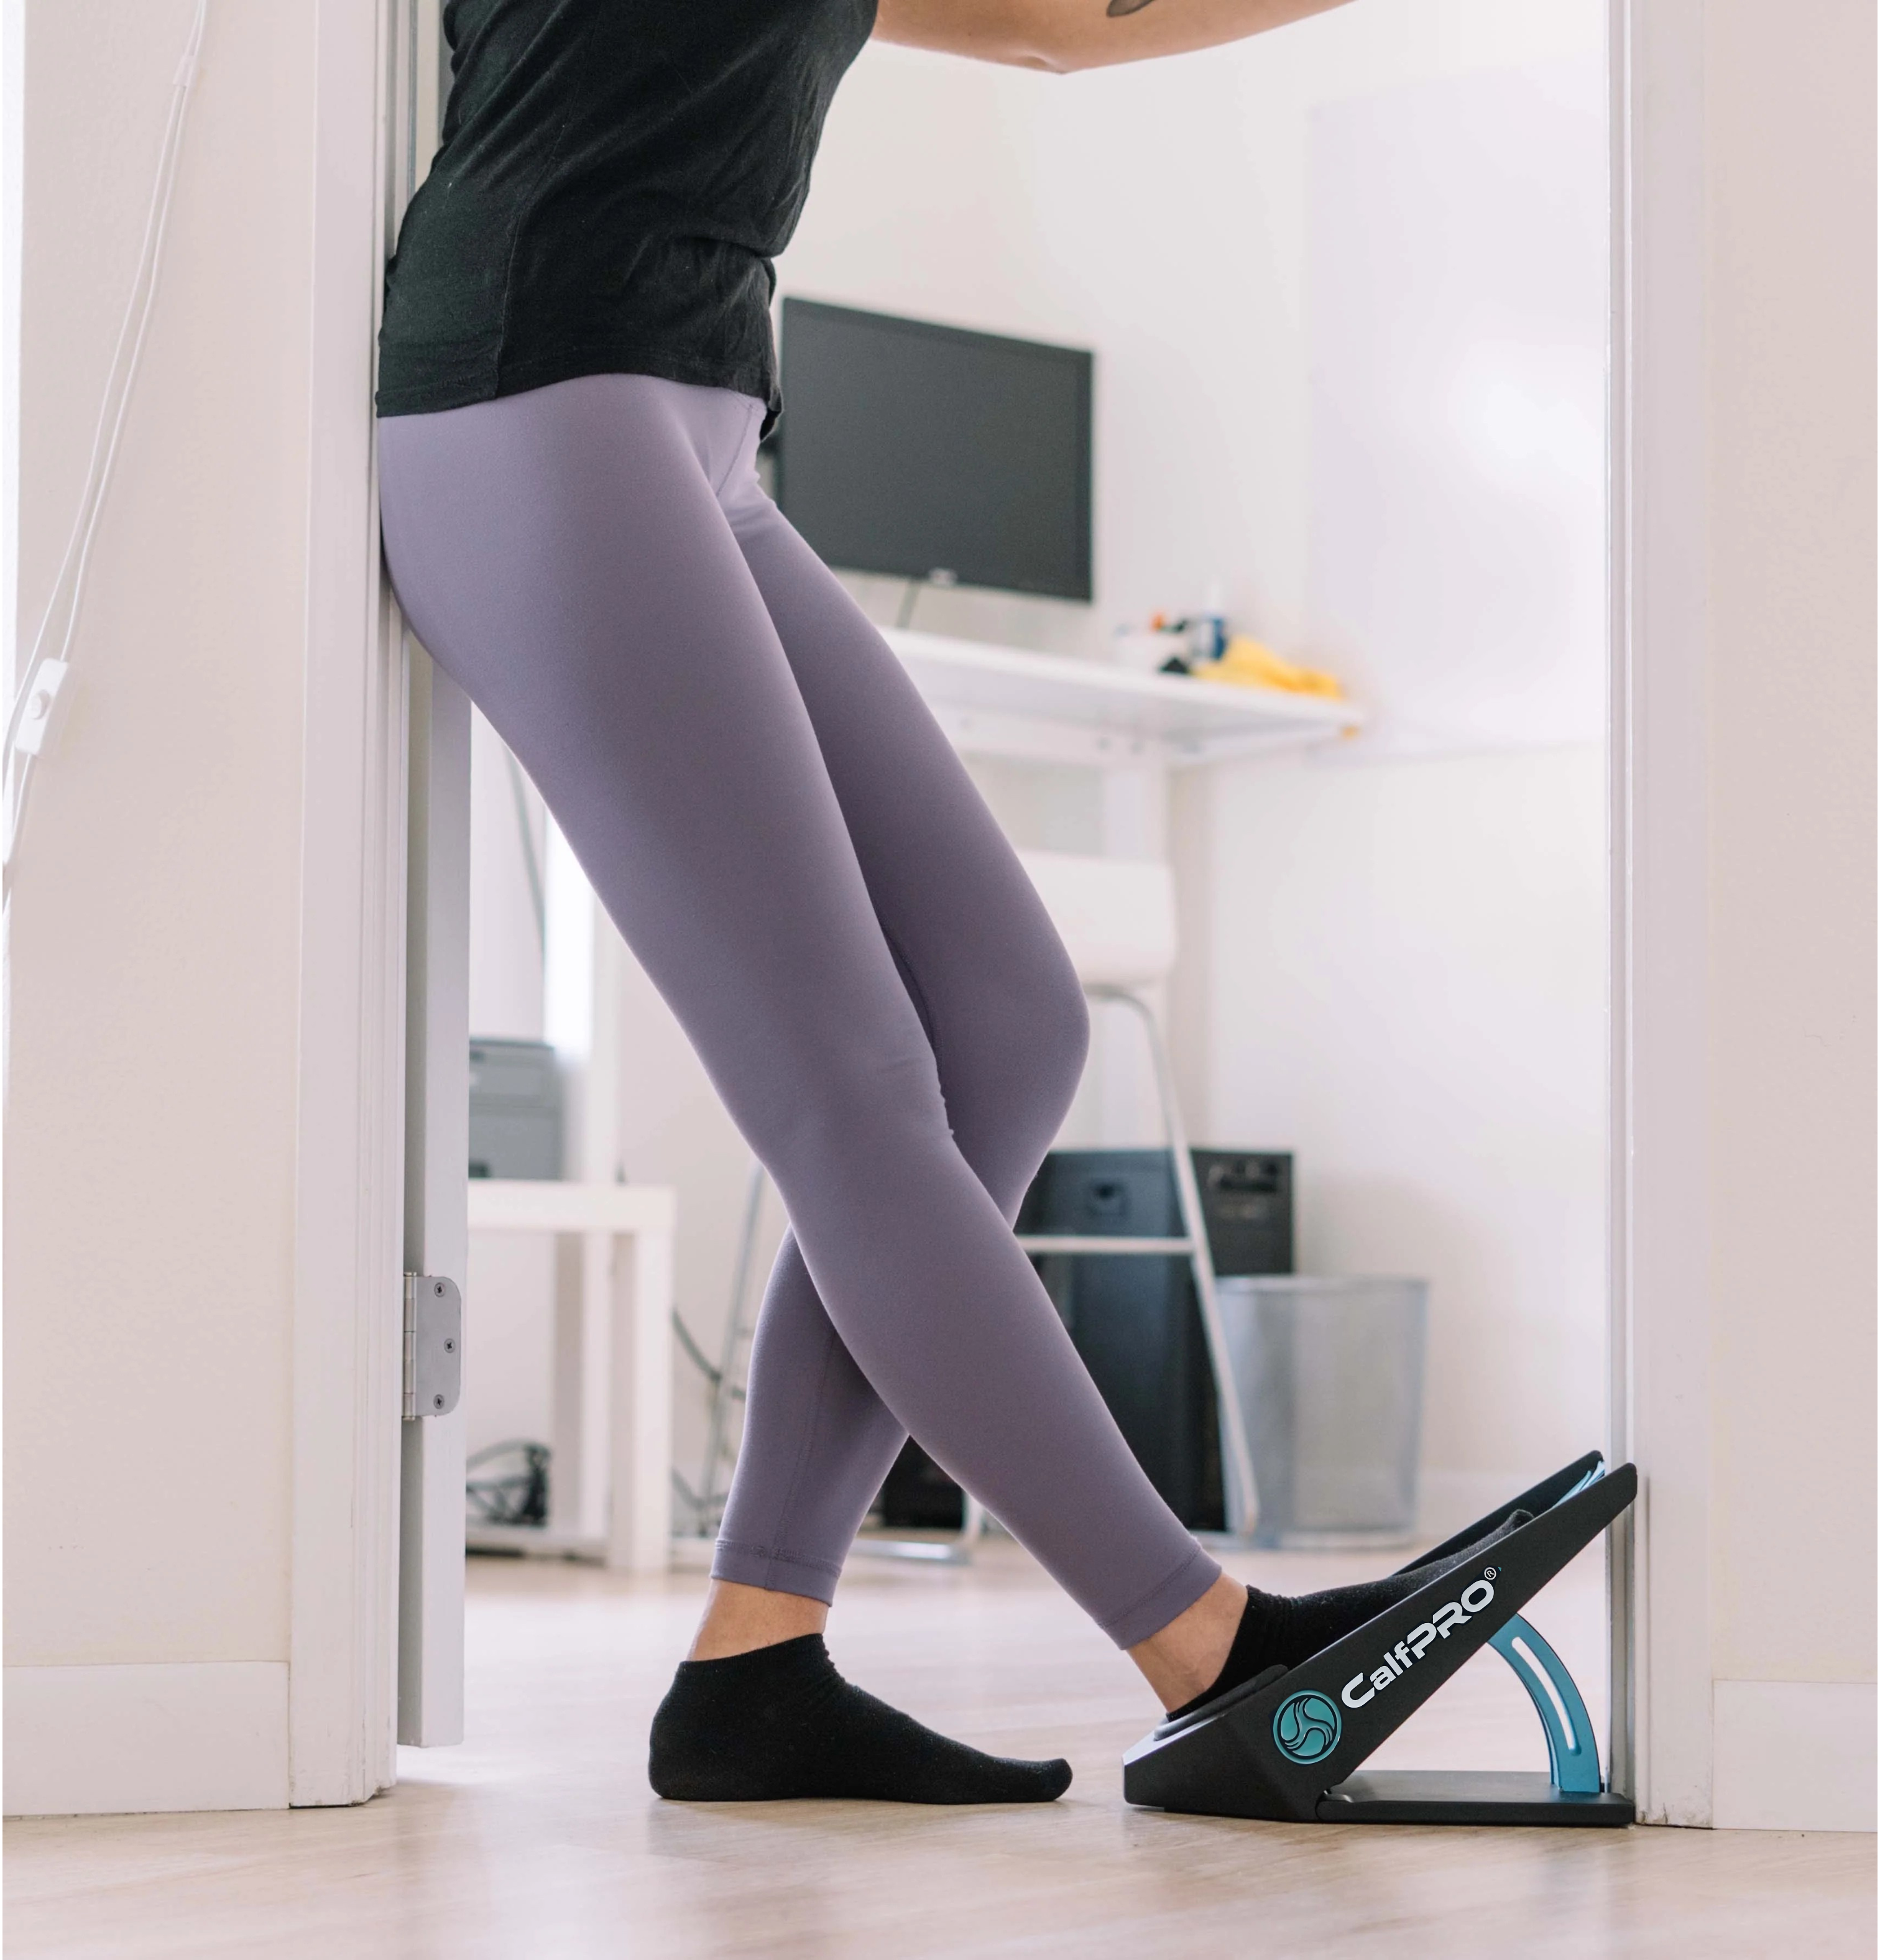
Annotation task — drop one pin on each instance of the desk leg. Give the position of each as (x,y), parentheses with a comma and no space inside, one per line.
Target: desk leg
(565,1434)
(597,1375)
(639,1539)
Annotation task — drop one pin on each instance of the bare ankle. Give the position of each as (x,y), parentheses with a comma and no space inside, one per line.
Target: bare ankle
(739,1619)
(1185,1658)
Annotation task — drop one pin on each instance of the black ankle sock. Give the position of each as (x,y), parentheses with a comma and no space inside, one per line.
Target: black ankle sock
(1276,1631)
(781,1722)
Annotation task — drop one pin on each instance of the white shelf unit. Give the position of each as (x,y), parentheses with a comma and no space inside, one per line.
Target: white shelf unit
(1054,707)
(611,1497)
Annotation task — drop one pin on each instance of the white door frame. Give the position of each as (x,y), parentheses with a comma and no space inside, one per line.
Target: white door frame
(351,1685)
(431,1519)
(349,1187)
(429,1693)
(1660,1243)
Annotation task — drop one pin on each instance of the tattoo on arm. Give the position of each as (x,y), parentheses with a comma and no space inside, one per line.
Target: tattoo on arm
(1118,8)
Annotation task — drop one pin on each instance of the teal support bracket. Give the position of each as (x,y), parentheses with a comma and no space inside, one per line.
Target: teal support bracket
(1572,1756)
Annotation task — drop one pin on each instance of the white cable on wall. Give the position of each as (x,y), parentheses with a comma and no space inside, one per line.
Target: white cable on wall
(46,689)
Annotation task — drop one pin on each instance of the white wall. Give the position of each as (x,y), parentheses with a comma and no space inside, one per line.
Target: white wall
(201,1275)
(1791,370)
(153,969)
(1159,213)
(153,956)
(1399,973)
(1751,618)
(507,963)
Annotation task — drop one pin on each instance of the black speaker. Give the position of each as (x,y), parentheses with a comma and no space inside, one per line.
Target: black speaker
(1136,1322)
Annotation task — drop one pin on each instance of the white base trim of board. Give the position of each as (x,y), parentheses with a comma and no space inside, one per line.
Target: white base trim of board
(204,1735)
(1793,1755)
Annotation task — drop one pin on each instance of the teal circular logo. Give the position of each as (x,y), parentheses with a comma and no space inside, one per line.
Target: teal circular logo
(1307,1728)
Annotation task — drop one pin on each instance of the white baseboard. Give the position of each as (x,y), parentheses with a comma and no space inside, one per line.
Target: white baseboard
(209,1736)
(1793,1755)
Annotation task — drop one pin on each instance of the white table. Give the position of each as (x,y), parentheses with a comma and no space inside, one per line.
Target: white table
(611,1481)
(1052,708)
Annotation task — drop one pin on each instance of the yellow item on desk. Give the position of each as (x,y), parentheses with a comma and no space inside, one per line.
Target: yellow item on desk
(1247,663)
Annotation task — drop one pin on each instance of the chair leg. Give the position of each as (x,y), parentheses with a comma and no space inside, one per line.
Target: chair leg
(1243,1498)
(724,1387)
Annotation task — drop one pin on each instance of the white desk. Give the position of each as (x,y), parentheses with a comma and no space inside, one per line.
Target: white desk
(1050,708)
(611,1486)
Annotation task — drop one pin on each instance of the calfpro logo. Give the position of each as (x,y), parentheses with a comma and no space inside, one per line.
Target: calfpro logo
(1441,1623)
(1307,1727)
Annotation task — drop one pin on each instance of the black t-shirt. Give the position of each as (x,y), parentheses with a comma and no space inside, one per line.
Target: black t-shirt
(614,179)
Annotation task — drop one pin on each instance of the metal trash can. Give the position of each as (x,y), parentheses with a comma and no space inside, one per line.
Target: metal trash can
(1330,1374)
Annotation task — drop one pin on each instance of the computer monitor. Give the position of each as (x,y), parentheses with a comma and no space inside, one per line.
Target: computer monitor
(928,452)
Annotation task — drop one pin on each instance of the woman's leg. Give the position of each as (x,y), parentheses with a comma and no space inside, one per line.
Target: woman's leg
(564,555)
(1005,1017)
(999,1003)
(1006,1020)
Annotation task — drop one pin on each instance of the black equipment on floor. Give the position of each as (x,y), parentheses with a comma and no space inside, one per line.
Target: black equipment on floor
(1135,1322)
(918,1495)
(513,1487)
(1289,1744)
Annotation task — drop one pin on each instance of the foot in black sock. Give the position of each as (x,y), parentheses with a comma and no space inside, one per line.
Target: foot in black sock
(1275,1630)
(781,1722)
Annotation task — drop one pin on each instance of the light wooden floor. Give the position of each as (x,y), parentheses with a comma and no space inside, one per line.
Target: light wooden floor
(539,1840)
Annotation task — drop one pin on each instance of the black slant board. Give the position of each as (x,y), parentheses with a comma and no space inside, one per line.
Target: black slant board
(913,450)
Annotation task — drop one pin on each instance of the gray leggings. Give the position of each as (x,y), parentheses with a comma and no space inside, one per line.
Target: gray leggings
(792,849)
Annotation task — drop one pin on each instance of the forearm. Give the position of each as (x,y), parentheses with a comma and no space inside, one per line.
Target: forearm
(1064,35)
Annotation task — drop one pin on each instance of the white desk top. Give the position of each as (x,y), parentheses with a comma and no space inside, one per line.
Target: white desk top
(1003,700)
(515,1204)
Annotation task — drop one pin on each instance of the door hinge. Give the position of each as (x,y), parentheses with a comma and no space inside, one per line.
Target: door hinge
(433,1345)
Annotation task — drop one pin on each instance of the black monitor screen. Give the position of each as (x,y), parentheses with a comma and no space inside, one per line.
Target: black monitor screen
(920,450)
